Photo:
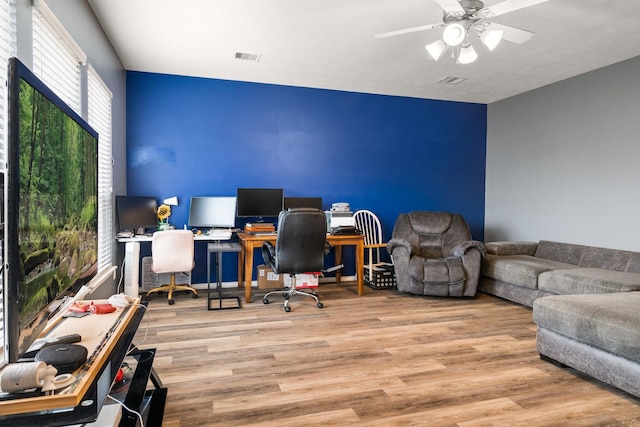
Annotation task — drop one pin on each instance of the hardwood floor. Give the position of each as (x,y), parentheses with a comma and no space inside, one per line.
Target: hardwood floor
(383,359)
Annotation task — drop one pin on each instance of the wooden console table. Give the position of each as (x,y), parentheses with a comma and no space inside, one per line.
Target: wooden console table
(107,338)
(250,242)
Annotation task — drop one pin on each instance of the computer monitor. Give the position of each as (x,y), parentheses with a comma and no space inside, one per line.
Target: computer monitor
(212,212)
(302,202)
(260,202)
(136,213)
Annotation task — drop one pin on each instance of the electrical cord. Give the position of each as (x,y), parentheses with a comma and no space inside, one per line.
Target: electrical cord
(146,331)
(121,274)
(128,409)
(132,348)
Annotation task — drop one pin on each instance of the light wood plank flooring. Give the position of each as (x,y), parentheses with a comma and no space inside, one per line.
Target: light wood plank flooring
(383,359)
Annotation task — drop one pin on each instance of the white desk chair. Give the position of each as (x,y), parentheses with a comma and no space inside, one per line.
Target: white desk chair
(369,224)
(172,252)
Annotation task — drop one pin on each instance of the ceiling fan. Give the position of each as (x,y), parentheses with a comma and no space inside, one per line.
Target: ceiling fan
(461,19)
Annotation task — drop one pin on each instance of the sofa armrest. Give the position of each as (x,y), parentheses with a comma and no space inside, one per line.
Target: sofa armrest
(511,248)
(399,243)
(462,248)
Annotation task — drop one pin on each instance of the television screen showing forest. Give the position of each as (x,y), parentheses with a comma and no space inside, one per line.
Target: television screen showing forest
(58,211)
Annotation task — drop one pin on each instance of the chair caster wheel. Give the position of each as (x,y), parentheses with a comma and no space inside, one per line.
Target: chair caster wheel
(320,305)
(265,301)
(195,295)
(287,309)
(170,301)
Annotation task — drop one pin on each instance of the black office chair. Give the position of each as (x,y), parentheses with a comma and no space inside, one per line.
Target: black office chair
(300,248)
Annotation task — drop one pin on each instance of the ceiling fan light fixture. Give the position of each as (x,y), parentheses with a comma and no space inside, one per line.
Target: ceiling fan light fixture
(454,34)
(436,49)
(491,38)
(467,54)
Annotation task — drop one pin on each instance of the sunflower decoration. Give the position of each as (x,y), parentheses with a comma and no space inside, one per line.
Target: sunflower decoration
(164,212)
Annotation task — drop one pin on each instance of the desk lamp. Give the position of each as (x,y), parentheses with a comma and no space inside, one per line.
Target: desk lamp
(166,203)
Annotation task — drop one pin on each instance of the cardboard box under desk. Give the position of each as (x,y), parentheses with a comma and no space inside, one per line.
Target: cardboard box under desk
(303,280)
(267,279)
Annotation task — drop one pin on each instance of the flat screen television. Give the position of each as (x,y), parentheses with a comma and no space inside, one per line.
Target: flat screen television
(51,243)
(259,202)
(212,212)
(136,213)
(302,202)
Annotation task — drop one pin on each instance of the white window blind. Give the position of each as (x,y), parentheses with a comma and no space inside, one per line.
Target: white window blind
(7,50)
(100,119)
(58,60)
(56,57)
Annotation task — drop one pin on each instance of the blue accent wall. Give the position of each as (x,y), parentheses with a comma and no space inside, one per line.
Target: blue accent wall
(189,136)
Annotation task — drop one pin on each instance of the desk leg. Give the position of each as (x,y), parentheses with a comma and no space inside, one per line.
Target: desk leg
(131,270)
(360,267)
(240,265)
(208,277)
(248,270)
(338,260)
(219,271)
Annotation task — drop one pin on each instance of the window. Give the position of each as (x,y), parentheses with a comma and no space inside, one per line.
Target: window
(100,119)
(7,49)
(58,61)
(57,58)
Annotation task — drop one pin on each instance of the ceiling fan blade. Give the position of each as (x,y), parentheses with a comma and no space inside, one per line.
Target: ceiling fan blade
(408,30)
(450,6)
(506,7)
(513,34)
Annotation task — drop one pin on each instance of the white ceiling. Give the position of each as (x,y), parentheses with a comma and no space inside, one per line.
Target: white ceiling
(330,44)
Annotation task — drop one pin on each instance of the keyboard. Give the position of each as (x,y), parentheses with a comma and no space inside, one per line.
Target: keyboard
(216,234)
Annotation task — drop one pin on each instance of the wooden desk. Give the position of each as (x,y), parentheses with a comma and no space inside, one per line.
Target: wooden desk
(250,242)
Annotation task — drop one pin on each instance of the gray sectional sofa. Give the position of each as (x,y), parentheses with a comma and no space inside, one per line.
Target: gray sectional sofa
(586,303)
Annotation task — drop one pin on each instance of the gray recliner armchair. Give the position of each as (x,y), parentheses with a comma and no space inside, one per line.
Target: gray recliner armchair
(433,254)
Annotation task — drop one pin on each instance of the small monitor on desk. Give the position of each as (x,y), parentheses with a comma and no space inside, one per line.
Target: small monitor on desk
(136,213)
(212,212)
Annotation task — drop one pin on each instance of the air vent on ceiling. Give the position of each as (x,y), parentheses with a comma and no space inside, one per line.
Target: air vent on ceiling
(247,56)
(452,80)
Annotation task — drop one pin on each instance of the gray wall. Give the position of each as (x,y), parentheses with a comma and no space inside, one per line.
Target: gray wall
(562,161)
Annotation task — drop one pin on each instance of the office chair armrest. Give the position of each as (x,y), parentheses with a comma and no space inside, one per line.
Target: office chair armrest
(269,254)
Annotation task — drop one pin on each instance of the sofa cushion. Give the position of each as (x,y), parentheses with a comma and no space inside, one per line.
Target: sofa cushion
(588,281)
(561,252)
(610,322)
(519,270)
(424,222)
(511,248)
(610,259)
(443,270)
(634,263)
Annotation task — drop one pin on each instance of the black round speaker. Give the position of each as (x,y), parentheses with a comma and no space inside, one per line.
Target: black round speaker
(65,358)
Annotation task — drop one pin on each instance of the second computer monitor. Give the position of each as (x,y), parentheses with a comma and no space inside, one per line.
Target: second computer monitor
(212,212)
(303,202)
(259,202)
